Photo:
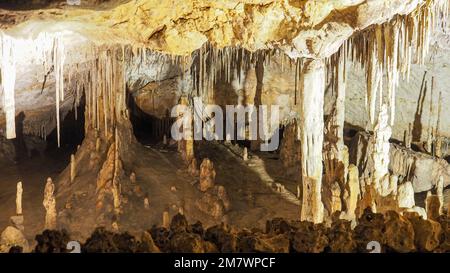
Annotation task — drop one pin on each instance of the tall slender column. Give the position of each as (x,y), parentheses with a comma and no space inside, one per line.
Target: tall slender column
(311,127)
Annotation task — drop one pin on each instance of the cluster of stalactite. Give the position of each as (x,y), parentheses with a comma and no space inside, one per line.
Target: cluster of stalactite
(388,49)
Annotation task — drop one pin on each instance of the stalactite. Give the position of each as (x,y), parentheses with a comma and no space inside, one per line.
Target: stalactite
(8,76)
(390,48)
(58,61)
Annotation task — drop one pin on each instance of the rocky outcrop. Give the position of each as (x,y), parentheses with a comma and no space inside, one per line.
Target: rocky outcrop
(422,170)
(309,237)
(52,241)
(399,233)
(427,232)
(13,237)
(392,231)
(371,227)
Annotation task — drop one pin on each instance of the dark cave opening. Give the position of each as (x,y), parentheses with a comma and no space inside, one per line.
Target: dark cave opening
(71,134)
(148,129)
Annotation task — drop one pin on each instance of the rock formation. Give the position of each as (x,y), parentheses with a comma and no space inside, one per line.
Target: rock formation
(151,88)
(207,175)
(50,205)
(311,131)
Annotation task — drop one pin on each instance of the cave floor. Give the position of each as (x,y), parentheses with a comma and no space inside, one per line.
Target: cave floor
(158,172)
(252,201)
(33,173)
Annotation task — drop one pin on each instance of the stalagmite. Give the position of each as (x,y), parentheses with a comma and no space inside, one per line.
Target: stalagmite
(207,175)
(165,139)
(8,78)
(166,219)
(440,193)
(133,178)
(50,205)
(72,167)
(352,193)
(97,144)
(146,203)
(311,131)
(19,198)
(380,151)
(116,197)
(432,206)
(245,154)
(115,227)
(405,195)
(18,220)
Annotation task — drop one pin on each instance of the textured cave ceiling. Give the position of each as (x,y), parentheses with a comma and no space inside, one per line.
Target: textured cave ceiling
(300,28)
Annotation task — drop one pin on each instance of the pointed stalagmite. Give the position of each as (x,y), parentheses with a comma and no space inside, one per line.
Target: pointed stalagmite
(50,205)
(133,178)
(19,198)
(380,151)
(245,154)
(116,196)
(72,167)
(311,137)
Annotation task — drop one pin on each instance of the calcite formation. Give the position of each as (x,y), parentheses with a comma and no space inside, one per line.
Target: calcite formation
(339,80)
(207,175)
(311,132)
(50,205)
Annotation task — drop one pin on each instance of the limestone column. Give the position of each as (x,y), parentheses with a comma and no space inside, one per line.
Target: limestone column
(335,152)
(311,127)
